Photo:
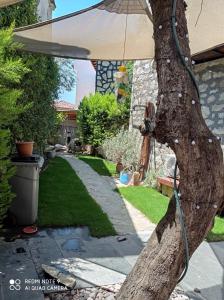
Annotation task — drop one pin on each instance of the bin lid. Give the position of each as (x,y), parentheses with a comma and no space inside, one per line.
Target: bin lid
(34,160)
(30,159)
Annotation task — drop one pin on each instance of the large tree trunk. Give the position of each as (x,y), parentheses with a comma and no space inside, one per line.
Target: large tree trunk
(178,123)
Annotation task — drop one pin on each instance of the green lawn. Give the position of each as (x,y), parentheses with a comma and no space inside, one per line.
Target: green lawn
(64,201)
(150,202)
(101,166)
(154,205)
(217,233)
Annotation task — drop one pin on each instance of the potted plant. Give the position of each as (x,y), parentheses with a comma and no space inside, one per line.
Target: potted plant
(125,176)
(24,141)
(119,166)
(130,160)
(24,148)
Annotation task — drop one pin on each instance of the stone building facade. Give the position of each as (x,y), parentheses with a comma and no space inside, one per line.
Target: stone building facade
(105,76)
(210,77)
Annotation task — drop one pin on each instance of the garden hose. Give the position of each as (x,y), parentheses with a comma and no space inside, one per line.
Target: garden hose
(179,50)
(176,191)
(183,228)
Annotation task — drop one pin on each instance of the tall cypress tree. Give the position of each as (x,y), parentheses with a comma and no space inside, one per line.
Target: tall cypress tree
(11,72)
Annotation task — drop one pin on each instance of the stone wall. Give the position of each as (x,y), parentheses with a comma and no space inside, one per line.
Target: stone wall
(105,76)
(210,77)
(144,89)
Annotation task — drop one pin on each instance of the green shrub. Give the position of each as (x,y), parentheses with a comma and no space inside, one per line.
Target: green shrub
(41,86)
(11,71)
(124,148)
(100,117)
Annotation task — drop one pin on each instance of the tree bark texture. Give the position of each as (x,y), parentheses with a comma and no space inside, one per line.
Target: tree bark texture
(147,140)
(178,123)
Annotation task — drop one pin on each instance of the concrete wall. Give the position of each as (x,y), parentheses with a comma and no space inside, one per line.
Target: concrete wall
(86,79)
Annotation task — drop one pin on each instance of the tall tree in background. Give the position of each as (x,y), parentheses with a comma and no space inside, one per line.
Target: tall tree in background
(179,121)
(11,72)
(41,86)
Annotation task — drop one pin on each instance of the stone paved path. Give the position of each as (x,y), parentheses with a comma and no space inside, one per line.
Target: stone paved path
(124,217)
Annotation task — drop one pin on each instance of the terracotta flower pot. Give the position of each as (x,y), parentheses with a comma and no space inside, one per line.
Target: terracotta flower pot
(24,149)
(119,167)
(136,178)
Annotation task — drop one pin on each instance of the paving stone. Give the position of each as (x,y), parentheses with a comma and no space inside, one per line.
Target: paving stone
(52,271)
(205,273)
(218,249)
(107,256)
(70,247)
(69,233)
(67,280)
(10,248)
(128,249)
(39,249)
(90,272)
(16,269)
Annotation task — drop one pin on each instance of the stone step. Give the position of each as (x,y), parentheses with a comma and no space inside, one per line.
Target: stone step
(88,272)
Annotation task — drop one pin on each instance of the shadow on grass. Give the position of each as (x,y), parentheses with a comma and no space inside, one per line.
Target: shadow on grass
(65,201)
(101,166)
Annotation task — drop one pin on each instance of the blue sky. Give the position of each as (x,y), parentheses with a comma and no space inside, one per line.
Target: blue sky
(64,7)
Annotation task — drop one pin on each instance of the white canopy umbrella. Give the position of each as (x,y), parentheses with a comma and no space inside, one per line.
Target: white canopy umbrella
(4,3)
(117,30)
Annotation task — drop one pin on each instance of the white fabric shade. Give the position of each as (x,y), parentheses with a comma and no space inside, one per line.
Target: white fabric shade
(98,33)
(4,3)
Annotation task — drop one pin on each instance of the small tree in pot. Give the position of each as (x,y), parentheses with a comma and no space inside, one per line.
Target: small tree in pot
(24,140)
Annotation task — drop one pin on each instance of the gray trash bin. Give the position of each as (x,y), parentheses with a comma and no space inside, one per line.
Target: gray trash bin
(25,184)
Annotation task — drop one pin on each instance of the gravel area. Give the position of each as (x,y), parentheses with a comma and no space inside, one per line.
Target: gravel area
(102,293)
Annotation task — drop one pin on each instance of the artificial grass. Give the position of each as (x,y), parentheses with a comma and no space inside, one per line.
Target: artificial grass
(150,202)
(217,232)
(154,206)
(100,165)
(64,201)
